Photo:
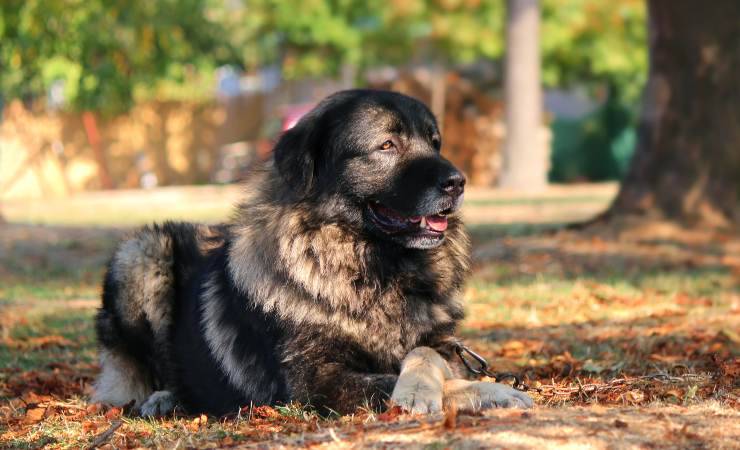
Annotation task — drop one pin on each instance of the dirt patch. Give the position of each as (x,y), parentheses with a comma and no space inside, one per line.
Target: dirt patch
(703,426)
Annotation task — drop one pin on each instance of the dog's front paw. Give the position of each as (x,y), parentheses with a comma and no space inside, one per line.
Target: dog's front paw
(477,395)
(419,386)
(417,398)
(160,403)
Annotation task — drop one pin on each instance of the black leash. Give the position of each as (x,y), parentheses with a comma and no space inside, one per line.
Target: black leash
(483,367)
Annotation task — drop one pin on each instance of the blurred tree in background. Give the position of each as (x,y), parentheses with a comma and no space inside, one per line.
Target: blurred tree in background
(599,44)
(103,49)
(111,54)
(687,163)
(107,49)
(602,47)
(525,149)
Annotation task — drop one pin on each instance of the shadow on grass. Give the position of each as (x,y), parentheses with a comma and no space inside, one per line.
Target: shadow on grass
(53,262)
(484,232)
(608,348)
(541,254)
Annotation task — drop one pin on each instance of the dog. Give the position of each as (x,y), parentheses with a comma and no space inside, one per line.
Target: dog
(341,269)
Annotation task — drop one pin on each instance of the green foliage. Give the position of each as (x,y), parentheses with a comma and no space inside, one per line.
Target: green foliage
(583,41)
(597,147)
(597,43)
(316,37)
(112,51)
(103,49)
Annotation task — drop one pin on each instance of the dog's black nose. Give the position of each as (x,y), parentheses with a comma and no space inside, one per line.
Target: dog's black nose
(454,183)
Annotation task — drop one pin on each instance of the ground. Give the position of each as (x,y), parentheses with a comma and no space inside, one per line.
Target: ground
(626,339)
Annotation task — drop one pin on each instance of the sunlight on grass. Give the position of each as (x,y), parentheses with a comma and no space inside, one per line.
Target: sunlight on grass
(46,334)
(553,306)
(553,299)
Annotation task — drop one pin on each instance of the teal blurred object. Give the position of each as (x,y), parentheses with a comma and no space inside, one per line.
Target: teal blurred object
(596,147)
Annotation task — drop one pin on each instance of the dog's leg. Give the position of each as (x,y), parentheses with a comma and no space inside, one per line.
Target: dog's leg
(160,403)
(476,395)
(133,324)
(426,384)
(122,379)
(420,385)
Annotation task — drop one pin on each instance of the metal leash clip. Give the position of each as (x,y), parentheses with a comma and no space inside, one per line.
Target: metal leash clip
(483,367)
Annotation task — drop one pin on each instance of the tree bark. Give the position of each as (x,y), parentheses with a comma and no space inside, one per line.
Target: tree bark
(686,166)
(525,156)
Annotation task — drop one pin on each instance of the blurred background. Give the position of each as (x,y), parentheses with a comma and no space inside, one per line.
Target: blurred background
(100,95)
(603,205)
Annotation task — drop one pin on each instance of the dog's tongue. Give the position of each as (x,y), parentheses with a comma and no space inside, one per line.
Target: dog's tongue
(436,222)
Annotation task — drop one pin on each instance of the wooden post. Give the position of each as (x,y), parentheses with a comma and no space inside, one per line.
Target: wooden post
(93,138)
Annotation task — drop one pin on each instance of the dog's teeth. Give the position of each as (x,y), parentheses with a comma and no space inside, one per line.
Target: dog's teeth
(423,222)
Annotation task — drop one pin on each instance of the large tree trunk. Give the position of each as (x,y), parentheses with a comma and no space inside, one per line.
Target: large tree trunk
(525,156)
(687,162)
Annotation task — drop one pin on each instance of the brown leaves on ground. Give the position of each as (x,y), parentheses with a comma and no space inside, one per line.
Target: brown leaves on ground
(40,342)
(628,338)
(58,379)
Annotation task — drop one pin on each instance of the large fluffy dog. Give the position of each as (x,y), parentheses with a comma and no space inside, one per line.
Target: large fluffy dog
(345,256)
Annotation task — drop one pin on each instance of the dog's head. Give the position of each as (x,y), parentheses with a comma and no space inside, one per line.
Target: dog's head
(379,152)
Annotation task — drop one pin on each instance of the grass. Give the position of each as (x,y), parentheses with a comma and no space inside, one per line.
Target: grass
(659,308)
(516,201)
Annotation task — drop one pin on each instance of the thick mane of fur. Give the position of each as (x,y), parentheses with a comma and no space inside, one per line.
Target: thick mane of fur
(305,295)
(288,259)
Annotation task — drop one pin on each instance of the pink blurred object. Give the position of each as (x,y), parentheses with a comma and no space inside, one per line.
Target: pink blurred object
(293,113)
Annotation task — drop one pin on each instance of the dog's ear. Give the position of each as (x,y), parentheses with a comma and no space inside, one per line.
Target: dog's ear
(296,152)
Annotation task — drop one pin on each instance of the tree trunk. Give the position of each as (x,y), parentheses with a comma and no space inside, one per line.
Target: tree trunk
(687,161)
(525,156)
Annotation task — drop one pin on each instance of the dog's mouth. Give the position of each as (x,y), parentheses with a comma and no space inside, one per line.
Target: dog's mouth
(393,222)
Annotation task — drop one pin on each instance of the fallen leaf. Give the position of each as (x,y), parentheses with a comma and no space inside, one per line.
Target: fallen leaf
(93,408)
(34,415)
(390,414)
(265,412)
(113,413)
(635,396)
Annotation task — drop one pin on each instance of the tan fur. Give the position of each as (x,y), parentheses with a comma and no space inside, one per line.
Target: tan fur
(420,383)
(327,264)
(426,383)
(144,263)
(121,381)
(476,395)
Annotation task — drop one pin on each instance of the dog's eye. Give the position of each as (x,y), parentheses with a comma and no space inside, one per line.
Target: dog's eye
(436,142)
(387,145)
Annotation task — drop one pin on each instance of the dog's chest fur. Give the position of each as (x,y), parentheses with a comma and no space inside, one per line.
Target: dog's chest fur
(326,278)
